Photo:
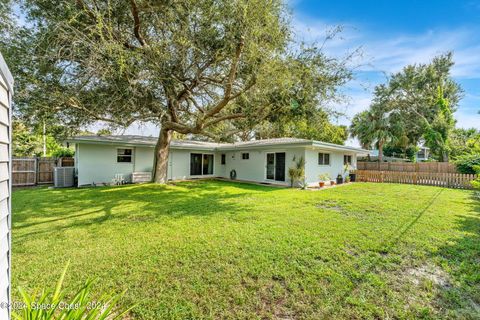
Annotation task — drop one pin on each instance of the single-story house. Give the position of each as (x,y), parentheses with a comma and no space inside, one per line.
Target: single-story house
(99,159)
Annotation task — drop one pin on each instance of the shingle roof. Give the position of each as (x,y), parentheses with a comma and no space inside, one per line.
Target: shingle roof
(194,144)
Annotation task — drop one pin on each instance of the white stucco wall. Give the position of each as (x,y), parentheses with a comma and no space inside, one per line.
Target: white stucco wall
(98,164)
(254,169)
(179,164)
(313,169)
(6,85)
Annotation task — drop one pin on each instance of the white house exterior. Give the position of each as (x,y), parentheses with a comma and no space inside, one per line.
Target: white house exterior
(6,90)
(98,159)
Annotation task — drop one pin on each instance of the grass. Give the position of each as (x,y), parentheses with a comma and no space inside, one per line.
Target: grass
(213,249)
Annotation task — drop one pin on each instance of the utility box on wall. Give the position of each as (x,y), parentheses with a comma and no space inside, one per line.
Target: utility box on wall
(6,91)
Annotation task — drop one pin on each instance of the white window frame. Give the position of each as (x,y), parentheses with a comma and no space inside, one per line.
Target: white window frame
(346,162)
(125,148)
(201,175)
(323,157)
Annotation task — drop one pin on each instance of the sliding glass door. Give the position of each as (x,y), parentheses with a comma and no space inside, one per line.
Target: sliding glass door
(276,166)
(208,164)
(201,164)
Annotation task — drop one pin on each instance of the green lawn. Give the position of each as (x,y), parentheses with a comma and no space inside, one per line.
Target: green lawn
(216,249)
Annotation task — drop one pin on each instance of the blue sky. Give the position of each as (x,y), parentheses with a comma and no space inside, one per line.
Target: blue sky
(392,34)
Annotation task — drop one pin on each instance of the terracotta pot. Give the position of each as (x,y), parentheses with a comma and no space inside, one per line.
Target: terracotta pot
(332,182)
(321,184)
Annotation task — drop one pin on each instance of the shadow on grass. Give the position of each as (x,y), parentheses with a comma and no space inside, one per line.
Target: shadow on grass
(400,232)
(461,258)
(59,209)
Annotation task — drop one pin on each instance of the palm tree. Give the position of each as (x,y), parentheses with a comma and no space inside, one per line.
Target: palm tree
(373,127)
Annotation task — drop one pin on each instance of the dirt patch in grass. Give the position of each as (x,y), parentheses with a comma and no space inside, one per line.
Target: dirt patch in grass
(429,272)
(330,205)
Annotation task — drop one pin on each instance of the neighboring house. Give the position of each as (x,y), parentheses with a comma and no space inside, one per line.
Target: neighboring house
(373,156)
(98,159)
(423,153)
(6,90)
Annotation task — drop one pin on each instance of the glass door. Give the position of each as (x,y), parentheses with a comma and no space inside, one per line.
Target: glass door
(280,166)
(271,166)
(195,164)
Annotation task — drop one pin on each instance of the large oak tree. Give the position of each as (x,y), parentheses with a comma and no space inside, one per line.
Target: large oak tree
(188,66)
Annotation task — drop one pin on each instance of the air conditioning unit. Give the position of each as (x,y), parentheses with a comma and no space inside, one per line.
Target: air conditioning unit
(64,177)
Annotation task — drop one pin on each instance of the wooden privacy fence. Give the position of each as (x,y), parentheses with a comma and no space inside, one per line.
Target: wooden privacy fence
(447,180)
(434,167)
(33,171)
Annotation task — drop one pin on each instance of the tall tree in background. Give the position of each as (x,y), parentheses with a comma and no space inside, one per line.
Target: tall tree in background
(188,66)
(438,132)
(413,94)
(415,108)
(374,127)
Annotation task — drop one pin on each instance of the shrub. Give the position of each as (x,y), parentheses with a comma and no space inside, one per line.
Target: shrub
(298,172)
(63,152)
(466,163)
(81,306)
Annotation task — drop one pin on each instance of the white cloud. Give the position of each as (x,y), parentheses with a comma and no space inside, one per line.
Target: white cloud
(383,54)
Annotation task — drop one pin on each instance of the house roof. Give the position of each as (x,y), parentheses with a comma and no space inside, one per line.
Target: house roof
(133,140)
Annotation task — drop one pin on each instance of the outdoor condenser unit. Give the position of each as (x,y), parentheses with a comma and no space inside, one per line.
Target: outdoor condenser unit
(63,177)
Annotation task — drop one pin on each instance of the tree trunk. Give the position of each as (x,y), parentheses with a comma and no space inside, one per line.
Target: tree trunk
(445,156)
(160,168)
(380,151)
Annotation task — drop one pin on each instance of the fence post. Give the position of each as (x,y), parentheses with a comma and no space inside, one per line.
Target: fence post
(36,170)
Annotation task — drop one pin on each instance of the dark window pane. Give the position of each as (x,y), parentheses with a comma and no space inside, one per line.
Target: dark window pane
(270,166)
(124,152)
(124,159)
(326,159)
(245,156)
(195,164)
(124,155)
(224,158)
(208,164)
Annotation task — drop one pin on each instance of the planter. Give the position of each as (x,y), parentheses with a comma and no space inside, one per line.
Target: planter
(339,180)
(332,182)
(321,184)
(352,177)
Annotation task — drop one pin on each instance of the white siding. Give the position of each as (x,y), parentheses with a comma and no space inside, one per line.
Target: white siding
(3,114)
(6,83)
(98,164)
(313,169)
(143,159)
(254,169)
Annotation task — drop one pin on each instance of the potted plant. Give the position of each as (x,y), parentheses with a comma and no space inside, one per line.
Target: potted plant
(323,177)
(346,173)
(339,179)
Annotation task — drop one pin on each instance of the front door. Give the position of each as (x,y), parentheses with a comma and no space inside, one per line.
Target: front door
(276,166)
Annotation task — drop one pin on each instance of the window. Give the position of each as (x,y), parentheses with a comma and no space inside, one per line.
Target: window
(347,159)
(124,155)
(208,164)
(201,164)
(224,158)
(324,159)
(245,156)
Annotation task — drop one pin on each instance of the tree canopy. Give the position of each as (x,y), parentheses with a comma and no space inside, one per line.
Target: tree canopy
(419,103)
(191,67)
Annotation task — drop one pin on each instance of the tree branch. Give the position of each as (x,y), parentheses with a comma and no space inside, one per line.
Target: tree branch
(136,19)
(227,117)
(228,86)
